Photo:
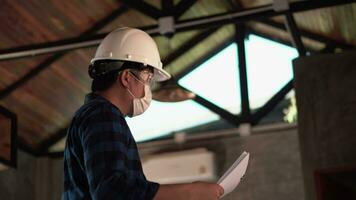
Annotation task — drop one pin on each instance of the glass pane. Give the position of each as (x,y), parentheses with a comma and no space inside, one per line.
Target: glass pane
(269,68)
(217,80)
(163,118)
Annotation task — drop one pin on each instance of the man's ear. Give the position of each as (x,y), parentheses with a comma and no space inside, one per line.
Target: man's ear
(123,77)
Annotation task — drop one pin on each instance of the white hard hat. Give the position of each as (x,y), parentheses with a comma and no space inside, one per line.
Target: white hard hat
(130,44)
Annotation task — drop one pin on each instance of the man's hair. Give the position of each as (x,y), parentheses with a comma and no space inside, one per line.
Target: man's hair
(105,81)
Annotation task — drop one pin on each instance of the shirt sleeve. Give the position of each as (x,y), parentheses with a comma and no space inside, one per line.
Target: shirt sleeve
(106,155)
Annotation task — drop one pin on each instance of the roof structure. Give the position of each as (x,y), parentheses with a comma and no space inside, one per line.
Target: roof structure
(46,46)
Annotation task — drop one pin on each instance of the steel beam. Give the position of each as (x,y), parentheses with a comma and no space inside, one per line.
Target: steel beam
(60,45)
(182,7)
(26,148)
(184,25)
(272,103)
(51,47)
(295,35)
(329,48)
(229,18)
(307,34)
(53,139)
(167,7)
(254,14)
(250,31)
(54,154)
(144,8)
(241,54)
(197,63)
(229,117)
(188,45)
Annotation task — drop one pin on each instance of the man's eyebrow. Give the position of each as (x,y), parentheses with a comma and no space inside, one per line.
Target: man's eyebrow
(147,70)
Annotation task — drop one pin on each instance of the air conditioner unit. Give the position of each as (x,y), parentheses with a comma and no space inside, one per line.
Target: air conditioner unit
(181,167)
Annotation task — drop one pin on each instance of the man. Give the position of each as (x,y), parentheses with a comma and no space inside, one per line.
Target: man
(101,160)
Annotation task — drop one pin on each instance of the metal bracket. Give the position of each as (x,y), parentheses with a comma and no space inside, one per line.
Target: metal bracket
(280,5)
(166,25)
(244,129)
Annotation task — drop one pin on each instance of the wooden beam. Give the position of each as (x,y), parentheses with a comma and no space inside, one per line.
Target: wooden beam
(46,63)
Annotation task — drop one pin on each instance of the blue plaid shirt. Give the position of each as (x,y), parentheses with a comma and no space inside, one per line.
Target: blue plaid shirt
(101,159)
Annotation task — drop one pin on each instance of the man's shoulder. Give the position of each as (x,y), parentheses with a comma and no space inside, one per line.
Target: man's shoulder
(97,109)
(98,116)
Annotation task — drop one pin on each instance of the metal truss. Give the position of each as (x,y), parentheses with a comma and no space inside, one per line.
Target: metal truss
(89,39)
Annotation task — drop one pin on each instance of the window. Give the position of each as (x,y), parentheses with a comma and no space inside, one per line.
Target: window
(269,68)
(163,118)
(217,80)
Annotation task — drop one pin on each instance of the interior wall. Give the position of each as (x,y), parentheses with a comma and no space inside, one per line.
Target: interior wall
(274,171)
(49,178)
(34,179)
(19,183)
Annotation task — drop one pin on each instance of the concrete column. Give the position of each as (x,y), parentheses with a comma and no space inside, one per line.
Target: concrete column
(326,100)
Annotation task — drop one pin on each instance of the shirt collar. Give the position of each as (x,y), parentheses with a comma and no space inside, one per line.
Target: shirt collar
(96,97)
(92,96)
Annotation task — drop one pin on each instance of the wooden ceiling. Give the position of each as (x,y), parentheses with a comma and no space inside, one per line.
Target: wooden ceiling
(45,102)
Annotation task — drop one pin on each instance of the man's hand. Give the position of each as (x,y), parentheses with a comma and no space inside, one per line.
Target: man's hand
(206,191)
(190,191)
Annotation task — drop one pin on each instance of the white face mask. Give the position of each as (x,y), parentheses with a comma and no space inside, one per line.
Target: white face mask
(140,105)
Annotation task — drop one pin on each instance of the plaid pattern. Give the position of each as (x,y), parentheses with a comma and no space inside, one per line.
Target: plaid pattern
(101,159)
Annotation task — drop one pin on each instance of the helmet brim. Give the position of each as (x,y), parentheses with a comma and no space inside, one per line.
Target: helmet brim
(160,75)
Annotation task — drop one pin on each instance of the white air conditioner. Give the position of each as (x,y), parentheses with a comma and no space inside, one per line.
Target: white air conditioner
(181,167)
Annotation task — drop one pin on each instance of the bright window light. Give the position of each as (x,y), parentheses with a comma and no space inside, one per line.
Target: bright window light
(163,118)
(217,80)
(269,68)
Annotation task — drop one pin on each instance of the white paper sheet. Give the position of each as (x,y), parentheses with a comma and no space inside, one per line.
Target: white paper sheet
(234,174)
